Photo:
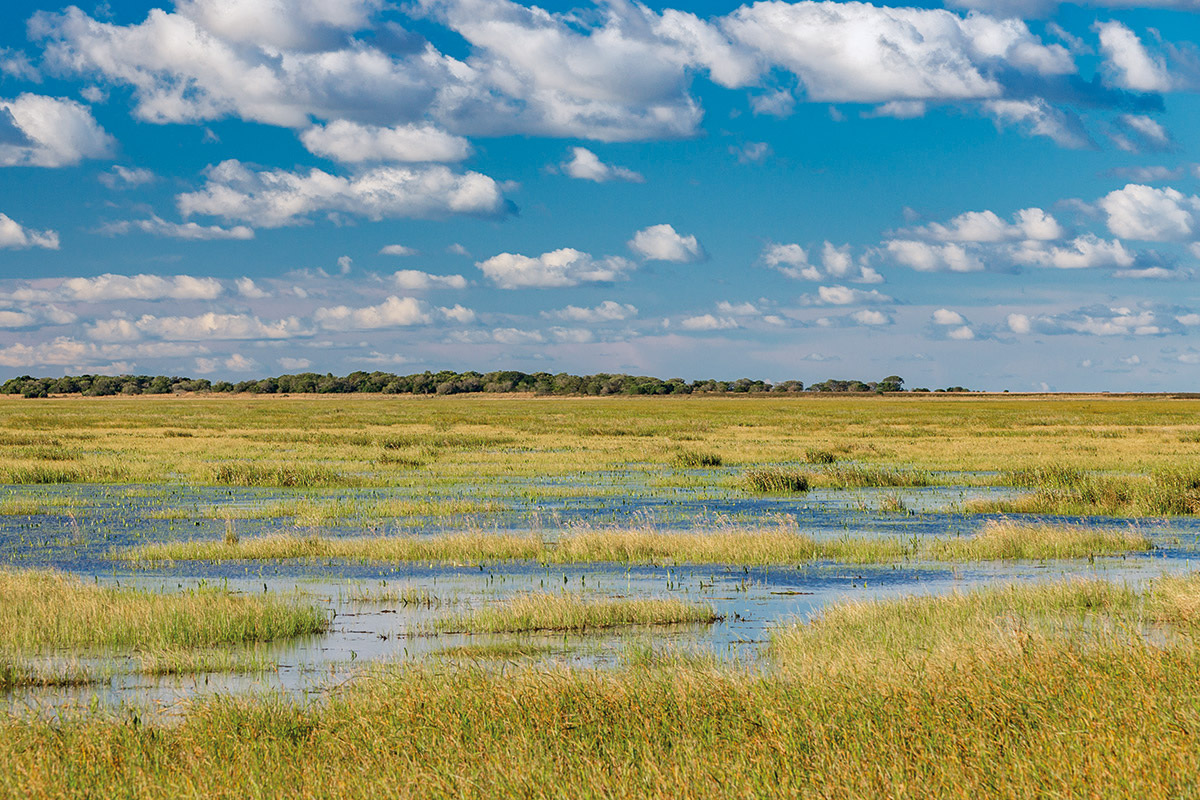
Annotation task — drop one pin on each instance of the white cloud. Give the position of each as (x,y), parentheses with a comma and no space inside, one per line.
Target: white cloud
(205,327)
(415,279)
(844,296)
(274,198)
(986,226)
(1127,63)
(738,309)
(141,287)
(120,177)
(516,336)
(352,143)
(564,267)
(17,319)
(397,250)
(294,363)
(240,363)
(1152,214)
(190,231)
(751,152)
(926,257)
(899,109)
(962,333)
(64,351)
(1082,252)
(15,235)
(586,165)
(247,288)
(1149,132)
(50,132)
(458,313)
(457,249)
(662,243)
(297,25)
(607,311)
(944,316)
(1019,323)
(871,317)
(572,335)
(855,52)
(391,313)
(1039,118)
(707,322)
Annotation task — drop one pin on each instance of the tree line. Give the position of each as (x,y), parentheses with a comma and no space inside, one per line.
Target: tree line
(444,382)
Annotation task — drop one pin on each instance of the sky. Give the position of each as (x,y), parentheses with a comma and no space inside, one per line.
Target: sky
(1000,195)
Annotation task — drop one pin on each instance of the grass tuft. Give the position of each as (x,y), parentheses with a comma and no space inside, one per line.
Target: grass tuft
(527,613)
(775,480)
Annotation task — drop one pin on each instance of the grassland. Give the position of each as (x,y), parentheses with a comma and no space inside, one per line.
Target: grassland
(322,441)
(1037,690)
(781,545)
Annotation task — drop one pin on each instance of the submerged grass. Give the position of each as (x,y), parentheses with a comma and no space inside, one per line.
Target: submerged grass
(40,610)
(547,611)
(997,540)
(1031,691)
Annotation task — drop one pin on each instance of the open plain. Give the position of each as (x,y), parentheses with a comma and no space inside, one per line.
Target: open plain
(704,596)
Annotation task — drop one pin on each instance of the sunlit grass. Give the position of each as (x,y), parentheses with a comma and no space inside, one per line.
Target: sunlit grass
(782,544)
(40,609)
(1048,690)
(547,611)
(1063,489)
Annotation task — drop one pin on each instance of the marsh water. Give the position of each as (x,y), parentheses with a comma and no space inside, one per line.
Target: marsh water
(86,527)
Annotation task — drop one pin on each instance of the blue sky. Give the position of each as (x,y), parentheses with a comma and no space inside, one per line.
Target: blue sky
(1001,195)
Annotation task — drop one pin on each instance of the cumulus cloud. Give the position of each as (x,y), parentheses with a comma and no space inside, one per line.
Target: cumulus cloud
(288,362)
(663,243)
(944,316)
(1082,252)
(140,287)
(564,267)
(50,132)
(65,351)
(393,312)
(204,327)
(1144,212)
(274,198)
(1100,321)
(415,279)
(986,226)
(607,311)
(119,177)
(13,235)
(1148,134)
(353,143)
(927,257)
(708,322)
(396,250)
(248,289)
(191,231)
(586,165)
(844,296)
(1127,63)
(1038,118)
(458,313)
(871,317)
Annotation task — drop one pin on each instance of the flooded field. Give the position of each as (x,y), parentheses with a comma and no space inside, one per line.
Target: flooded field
(383,613)
(496,596)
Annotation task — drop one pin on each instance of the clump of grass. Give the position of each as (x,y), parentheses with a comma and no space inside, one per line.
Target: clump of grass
(231,535)
(15,674)
(1053,475)
(41,609)
(1005,540)
(775,480)
(1071,491)
(461,548)
(892,504)
(861,477)
(495,651)
(814,455)
(538,611)
(51,474)
(301,475)
(692,459)
(178,661)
